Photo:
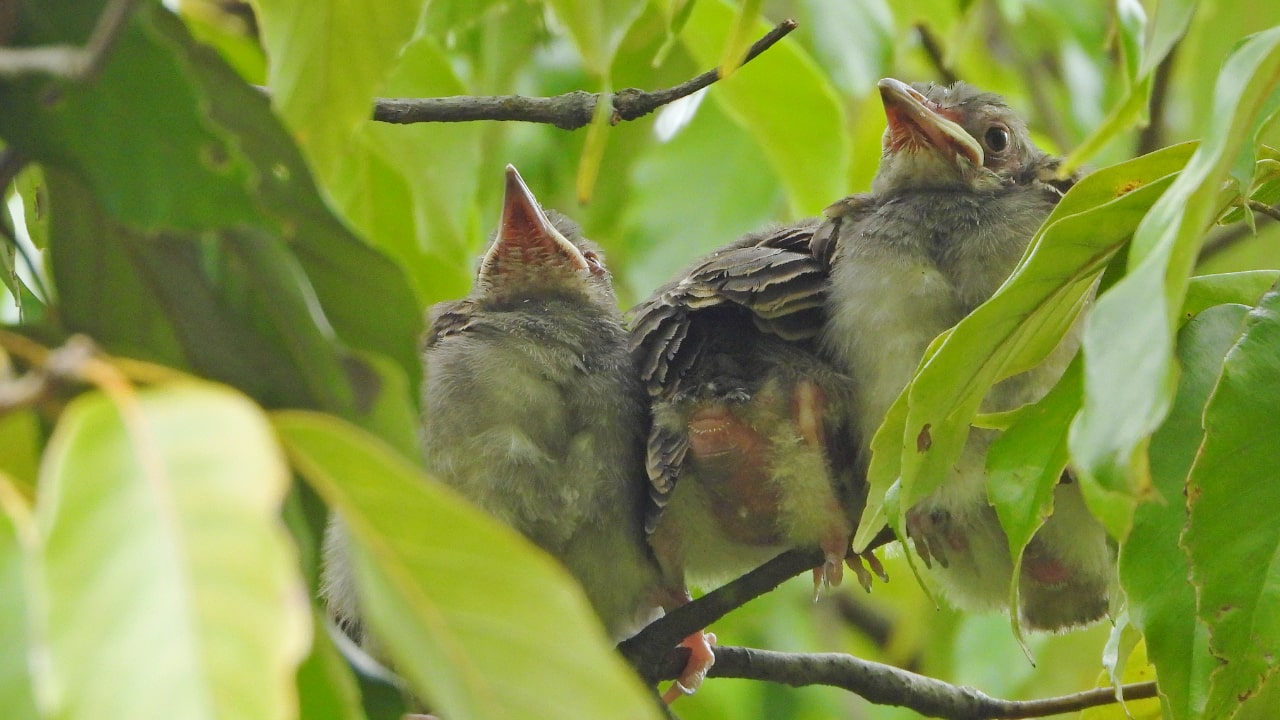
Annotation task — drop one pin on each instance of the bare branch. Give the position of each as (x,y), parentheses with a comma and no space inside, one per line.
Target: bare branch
(887,685)
(69,61)
(569,111)
(653,646)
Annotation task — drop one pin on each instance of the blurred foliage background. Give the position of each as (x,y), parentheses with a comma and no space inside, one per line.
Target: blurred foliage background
(781,138)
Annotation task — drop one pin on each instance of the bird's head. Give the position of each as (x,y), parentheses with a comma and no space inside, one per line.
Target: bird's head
(536,254)
(953,137)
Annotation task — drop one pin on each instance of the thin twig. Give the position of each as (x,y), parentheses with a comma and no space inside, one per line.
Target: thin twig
(569,111)
(887,685)
(1269,211)
(1227,238)
(933,49)
(69,61)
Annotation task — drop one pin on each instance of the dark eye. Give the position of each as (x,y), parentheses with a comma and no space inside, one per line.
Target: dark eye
(997,138)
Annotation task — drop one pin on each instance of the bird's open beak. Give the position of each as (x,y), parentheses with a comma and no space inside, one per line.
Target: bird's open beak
(526,237)
(915,120)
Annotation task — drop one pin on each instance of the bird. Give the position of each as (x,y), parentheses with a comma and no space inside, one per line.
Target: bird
(747,450)
(533,411)
(960,191)
(744,453)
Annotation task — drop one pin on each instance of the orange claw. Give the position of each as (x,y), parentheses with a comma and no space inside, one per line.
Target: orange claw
(701,658)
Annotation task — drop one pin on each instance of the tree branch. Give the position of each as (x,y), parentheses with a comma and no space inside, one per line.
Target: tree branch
(569,111)
(933,50)
(887,685)
(651,648)
(69,61)
(1229,236)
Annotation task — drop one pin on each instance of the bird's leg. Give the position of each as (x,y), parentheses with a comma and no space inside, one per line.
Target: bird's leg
(701,655)
(808,408)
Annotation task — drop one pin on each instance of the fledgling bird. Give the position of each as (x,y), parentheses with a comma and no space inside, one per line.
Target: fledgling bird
(748,452)
(533,411)
(960,191)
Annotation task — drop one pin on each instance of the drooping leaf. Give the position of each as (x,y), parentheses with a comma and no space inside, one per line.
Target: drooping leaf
(1136,318)
(1025,463)
(1232,495)
(1154,570)
(480,622)
(161,513)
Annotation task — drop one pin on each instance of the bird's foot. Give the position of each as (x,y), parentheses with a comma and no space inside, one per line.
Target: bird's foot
(829,574)
(933,538)
(863,566)
(701,658)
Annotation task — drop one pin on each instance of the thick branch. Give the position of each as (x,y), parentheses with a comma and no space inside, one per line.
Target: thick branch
(649,649)
(69,61)
(656,644)
(569,111)
(888,685)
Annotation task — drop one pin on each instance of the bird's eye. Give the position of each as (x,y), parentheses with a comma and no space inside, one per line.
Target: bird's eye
(997,138)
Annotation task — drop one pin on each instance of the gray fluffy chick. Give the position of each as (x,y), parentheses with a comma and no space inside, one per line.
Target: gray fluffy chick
(532,410)
(960,191)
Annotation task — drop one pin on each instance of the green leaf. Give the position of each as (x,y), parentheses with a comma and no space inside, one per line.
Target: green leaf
(1244,288)
(35,204)
(141,112)
(853,39)
(162,514)
(1128,339)
(735,47)
(412,192)
(481,623)
(1154,570)
(784,100)
(326,688)
(1232,495)
(1146,45)
(19,549)
(1025,463)
(221,175)
(20,438)
(229,307)
(597,28)
(327,62)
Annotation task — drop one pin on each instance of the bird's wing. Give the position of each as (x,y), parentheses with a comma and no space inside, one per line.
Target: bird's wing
(771,277)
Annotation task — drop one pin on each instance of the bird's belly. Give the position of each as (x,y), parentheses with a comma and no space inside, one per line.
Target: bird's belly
(886,313)
(731,459)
